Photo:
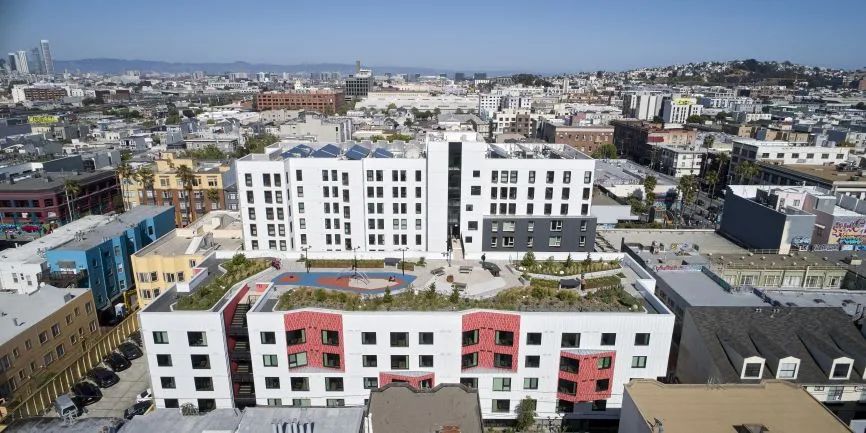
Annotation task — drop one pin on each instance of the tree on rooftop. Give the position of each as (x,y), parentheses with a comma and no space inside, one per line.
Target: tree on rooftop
(721,115)
(709,140)
(605,151)
(528,259)
(649,187)
(694,118)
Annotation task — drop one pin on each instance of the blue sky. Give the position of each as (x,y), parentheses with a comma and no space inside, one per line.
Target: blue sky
(541,35)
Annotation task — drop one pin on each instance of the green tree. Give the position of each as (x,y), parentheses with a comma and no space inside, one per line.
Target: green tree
(712,178)
(387,298)
(256,144)
(525,414)
(746,170)
(688,188)
(694,118)
(407,123)
(209,152)
(187,178)
(155,138)
(605,151)
(845,143)
(213,196)
(173,117)
(658,119)
(125,155)
(458,111)
(568,262)
(391,106)
(72,189)
(146,176)
(709,140)
(119,206)
(528,260)
(431,291)
(721,115)
(649,187)
(454,297)
(436,112)
(125,176)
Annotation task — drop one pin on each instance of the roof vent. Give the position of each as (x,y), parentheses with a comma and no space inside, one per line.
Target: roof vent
(752,428)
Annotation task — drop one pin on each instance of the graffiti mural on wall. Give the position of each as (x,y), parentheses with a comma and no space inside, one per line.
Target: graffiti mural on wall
(848,231)
(801,243)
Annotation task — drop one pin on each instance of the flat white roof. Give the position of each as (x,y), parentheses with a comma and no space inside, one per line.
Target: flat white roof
(29,252)
(30,309)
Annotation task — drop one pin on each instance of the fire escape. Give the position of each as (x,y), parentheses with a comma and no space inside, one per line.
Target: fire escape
(239,355)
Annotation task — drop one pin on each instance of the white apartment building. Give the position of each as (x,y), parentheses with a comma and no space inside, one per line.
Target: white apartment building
(679,161)
(331,130)
(678,110)
(783,152)
(642,105)
(247,351)
(488,103)
(452,191)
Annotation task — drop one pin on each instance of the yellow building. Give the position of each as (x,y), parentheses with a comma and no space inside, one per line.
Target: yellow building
(180,256)
(40,334)
(208,188)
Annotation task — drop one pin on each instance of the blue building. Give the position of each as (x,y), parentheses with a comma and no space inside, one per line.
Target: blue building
(103,252)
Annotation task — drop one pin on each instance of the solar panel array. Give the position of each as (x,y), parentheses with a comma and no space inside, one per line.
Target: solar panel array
(357,152)
(326,151)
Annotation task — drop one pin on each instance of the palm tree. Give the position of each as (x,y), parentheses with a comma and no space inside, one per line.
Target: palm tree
(145,175)
(688,187)
(746,170)
(213,196)
(187,179)
(724,161)
(649,187)
(71,188)
(712,178)
(124,174)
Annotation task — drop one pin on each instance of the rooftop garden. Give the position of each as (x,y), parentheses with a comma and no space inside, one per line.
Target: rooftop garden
(206,296)
(539,296)
(567,267)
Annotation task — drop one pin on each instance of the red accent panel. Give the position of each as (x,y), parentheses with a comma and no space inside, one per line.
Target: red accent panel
(414,381)
(314,323)
(229,311)
(487,324)
(587,374)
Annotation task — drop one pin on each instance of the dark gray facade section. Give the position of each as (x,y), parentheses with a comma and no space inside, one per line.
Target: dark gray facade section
(67,163)
(761,227)
(571,234)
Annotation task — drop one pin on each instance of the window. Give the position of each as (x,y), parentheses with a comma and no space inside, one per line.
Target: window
(275,402)
(501,360)
(841,371)
(299,383)
(200,362)
(203,383)
(469,360)
(548,193)
(167,383)
(554,241)
(501,406)
(369,360)
(532,361)
(425,338)
(248,179)
(556,226)
(502,384)
(425,361)
(295,337)
(399,362)
(330,338)
(752,370)
(504,338)
(475,190)
(368,338)
(602,385)
(470,337)
(60,351)
(641,339)
(570,339)
(530,383)
(834,393)
(549,177)
(787,370)
(48,358)
(371,382)
(399,339)
(297,359)
(300,402)
(269,360)
(331,360)
(587,177)
(163,360)
(533,338)
(333,384)
(638,362)
(566,177)
(469,382)
(160,337)
(476,173)
(196,339)
(171,403)
(599,405)
(608,339)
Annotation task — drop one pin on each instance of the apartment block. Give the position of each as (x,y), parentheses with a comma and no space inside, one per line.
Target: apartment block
(634,139)
(42,198)
(322,100)
(678,110)
(452,192)
(583,138)
(783,152)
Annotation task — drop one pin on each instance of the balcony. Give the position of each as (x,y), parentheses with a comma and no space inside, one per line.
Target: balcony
(237,331)
(64,279)
(241,352)
(243,373)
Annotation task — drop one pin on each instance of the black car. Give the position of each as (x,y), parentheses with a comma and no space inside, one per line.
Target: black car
(86,393)
(137,409)
(129,351)
(103,377)
(116,361)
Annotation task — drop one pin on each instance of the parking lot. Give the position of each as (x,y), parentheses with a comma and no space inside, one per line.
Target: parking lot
(120,396)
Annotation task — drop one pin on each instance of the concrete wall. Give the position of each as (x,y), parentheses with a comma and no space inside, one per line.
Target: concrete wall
(760,227)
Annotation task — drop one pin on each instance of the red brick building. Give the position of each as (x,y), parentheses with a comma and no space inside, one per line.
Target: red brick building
(583,138)
(315,100)
(40,200)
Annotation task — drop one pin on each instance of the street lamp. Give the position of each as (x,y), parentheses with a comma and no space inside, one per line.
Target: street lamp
(355,261)
(306,250)
(403,263)
(447,255)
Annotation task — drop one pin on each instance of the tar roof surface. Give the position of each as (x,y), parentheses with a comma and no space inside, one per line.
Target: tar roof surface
(779,406)
(787,327)
(57,179)
(30,309)
(322,419)
(170,420)
(699,290)
(398,408)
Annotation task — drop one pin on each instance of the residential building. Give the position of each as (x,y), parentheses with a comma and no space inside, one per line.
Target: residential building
(819,349)
(38,93)
(488,104)
(783,152)
(842,178)
(399,407)
(39,333)
(776,133)
(227,143)
(43,199)
(772,405)
(102,255)
(321,100)
(326,130)
(678,110)
(422,101)
(173,258)
(635,139)
(512,121)
(583,138)
(680,161)
(642,105)
(275,417)
(208,188)
(571,362)
(341,196)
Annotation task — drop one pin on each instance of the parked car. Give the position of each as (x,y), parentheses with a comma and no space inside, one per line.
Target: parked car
(102,377)
(137,409)
(65,406)
(146,395)
(86,393)
(116,361)
(129,350)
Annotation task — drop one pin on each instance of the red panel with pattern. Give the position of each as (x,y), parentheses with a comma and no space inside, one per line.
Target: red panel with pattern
(487,324)
(587,376)
(414,381)
(313,324)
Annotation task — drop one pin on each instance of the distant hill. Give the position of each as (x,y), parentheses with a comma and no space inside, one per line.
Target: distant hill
(116,66)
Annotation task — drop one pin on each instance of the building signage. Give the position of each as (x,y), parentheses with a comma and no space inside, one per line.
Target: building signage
(43,119)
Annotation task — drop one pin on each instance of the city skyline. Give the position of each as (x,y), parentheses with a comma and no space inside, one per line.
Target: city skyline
(568,38)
